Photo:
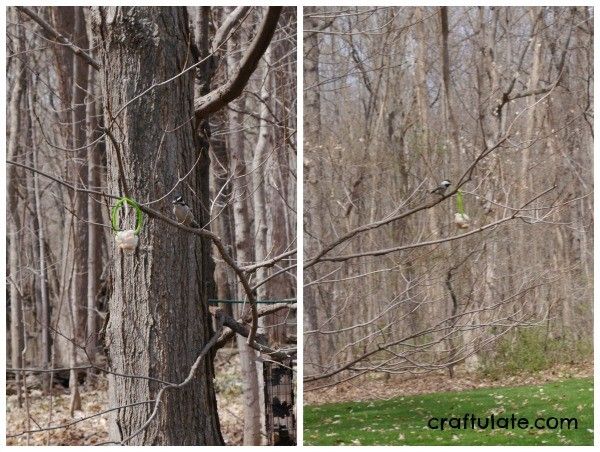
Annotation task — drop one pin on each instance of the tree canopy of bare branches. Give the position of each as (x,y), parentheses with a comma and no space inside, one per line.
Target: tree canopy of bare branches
(148,104)
(498,100)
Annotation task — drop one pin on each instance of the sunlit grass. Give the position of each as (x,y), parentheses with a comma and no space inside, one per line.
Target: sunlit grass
(403,421)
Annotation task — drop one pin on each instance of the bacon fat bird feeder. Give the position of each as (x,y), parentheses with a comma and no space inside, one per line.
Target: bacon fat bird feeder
(461,219)
(127,239)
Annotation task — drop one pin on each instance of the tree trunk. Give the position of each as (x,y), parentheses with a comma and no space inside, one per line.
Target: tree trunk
(94,213)
(244,255)
(312,97)
(260,213)
(449,114)
(313,173)
(43,303)
(421,80)
(159,319)
(14,223)
(78,168)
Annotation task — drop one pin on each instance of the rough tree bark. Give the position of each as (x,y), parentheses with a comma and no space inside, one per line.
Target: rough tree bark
(159,319)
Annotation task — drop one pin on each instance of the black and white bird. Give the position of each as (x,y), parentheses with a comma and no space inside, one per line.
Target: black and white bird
(183,213)
(441,189)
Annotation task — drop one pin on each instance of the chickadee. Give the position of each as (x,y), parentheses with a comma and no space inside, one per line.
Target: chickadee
(183,213)
(441,189)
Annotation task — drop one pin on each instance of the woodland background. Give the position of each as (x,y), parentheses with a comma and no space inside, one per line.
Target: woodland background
(499,100)
(148,102)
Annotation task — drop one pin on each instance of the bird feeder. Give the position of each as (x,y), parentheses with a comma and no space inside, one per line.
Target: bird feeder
(127,239)
(461,219)
(280,420)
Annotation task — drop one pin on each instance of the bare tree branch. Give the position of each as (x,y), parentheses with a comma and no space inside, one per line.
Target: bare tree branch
(259,344)
(239,271)
(224,30)
(59,37)
(227,335)
(382,252)
(221,96)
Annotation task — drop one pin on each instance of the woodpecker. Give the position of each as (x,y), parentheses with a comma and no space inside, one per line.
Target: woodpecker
(183,213)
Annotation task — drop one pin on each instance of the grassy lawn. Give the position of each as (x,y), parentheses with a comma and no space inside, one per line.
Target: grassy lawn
(403,421)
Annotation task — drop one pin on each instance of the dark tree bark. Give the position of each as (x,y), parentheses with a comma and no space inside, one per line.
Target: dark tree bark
(159,319)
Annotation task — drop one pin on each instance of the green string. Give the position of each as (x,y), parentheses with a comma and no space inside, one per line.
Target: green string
(114,216)
(459,202)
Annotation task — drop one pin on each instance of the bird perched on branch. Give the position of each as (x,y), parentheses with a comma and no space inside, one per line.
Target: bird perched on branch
(441,189)
(183,213)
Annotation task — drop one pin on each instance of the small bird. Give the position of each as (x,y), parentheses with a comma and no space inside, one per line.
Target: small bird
(183,213)
(441,189)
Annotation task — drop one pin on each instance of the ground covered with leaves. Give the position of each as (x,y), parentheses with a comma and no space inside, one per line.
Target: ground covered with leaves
(386,386)
(41,411)
(404,420)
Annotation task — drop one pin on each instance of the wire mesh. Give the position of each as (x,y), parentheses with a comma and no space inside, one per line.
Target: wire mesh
(280,419)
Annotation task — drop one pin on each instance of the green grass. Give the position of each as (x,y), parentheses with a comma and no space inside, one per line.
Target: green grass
(403,421)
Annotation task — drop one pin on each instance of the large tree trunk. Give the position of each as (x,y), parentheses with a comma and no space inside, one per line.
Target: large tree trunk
(159,319)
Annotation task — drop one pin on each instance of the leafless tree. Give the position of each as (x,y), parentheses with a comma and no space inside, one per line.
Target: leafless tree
(498,101)
(109,102)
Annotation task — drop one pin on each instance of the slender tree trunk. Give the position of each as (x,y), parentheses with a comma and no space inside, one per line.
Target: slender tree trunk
(260,214)
(449,114)
(421,80)
(220,183)
(244,254)
(78,169)
(13,152)
(312,97)
(220,172)
(312,133)
(38,225)
(94,214)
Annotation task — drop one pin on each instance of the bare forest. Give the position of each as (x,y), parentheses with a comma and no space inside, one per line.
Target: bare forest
(151,238)
(489,272)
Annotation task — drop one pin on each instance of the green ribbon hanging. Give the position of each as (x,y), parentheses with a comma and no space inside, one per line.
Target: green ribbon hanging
(114,216)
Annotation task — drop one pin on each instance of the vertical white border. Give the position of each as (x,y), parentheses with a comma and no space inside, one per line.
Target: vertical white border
(299,225)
